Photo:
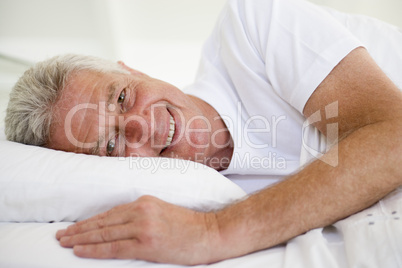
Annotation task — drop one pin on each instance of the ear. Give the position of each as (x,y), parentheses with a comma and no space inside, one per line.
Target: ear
(131,70)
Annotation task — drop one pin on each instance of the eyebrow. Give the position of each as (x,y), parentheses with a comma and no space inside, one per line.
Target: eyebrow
(112,88)
(96,149)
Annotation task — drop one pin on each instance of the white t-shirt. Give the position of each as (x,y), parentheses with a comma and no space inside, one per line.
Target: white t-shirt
(258,69)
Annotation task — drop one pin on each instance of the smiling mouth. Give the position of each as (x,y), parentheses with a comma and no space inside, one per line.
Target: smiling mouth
(172,128)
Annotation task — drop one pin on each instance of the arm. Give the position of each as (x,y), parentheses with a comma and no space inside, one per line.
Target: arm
(369,167)
(370,124)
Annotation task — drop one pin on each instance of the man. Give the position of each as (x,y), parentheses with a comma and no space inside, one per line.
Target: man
(267,66)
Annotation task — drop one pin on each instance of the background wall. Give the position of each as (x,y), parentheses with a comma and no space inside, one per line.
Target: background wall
(160,37)
(155,36)
(386,10)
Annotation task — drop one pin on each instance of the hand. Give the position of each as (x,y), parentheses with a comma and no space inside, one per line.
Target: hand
(148,229)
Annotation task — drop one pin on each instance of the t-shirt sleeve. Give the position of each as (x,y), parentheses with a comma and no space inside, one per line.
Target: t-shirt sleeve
(273,48)
(299,42)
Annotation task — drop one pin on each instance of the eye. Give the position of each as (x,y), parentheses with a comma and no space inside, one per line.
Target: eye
(110,147)
(122,97)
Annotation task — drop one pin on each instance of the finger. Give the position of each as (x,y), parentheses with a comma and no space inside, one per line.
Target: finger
(107,234)
(108,218)
(122,249)
(110,212)
(83,226)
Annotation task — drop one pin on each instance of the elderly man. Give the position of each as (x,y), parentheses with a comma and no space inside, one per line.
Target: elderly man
(267,66)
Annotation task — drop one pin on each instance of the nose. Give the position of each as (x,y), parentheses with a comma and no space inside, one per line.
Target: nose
(143,130)
(136,130)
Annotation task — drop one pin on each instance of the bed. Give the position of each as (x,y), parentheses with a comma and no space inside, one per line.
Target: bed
(42,191)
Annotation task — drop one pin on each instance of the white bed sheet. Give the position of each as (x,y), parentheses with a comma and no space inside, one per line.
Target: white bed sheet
(34,245)
(371,238)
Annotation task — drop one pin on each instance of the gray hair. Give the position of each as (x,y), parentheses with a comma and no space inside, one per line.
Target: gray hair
(29,113)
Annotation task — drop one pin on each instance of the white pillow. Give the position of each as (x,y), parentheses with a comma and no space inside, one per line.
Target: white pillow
(42,185)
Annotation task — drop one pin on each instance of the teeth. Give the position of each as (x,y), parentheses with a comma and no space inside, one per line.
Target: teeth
(171,132)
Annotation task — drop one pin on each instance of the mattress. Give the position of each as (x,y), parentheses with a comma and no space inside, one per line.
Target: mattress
(371,238)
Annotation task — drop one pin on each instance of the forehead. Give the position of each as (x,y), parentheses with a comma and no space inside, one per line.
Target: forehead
(83,89)
(84,83)
(77,111)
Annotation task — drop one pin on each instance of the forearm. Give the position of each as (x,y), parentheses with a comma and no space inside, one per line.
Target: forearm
(369,167)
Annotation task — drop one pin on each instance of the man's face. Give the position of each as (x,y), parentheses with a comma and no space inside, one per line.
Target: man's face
(134,115)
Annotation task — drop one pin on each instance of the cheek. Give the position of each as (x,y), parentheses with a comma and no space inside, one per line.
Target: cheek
(198,132)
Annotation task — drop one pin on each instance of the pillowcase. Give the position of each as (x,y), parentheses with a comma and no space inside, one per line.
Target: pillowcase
(43,185)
